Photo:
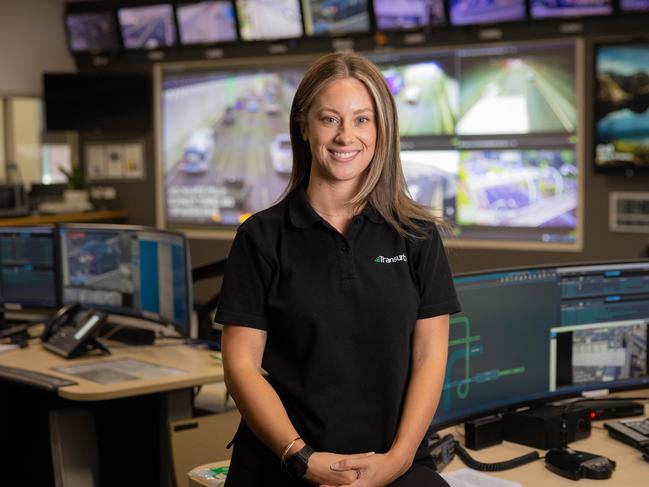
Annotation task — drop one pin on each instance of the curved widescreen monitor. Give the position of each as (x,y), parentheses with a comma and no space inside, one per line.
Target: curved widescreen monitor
(138,271)
(525,336)
(28,270)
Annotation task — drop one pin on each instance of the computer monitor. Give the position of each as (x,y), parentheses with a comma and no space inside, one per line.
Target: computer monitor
(28,271)
(542,9)
(92,31)
(138,271)
(332,17)
(525,336)
(267,21)
(147,26)
(205,22)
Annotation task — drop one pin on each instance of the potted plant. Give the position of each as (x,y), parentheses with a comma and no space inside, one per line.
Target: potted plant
(76,194)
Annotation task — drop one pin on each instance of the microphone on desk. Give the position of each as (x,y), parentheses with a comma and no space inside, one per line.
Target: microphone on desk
(574,464)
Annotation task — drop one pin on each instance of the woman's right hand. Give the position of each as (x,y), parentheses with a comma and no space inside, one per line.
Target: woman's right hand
(319,470)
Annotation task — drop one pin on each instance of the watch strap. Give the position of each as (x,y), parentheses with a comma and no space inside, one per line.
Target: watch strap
(296,464)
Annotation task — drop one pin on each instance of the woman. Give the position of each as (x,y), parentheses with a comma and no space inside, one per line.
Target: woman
(341,292)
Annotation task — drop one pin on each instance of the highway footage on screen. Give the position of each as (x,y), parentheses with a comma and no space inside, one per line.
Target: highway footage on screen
(469,12)
(408,14)
(227,151)
(268,20)
(206,22)
(505,91)
(147,27)
(621,111)
(323,17)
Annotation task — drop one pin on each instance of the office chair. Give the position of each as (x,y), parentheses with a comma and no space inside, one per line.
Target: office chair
(205,311)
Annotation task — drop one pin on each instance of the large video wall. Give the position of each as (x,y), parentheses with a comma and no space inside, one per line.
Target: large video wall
(489,139)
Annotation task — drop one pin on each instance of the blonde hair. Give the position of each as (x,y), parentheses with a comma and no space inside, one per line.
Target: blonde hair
(384,186)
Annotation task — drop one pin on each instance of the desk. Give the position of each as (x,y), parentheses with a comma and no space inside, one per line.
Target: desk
(631,469)
(171,396)
(77,217)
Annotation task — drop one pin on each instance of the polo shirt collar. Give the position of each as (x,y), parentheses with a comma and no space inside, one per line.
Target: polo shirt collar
(302,214)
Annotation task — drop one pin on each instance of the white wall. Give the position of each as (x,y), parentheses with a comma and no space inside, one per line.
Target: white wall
(32,41)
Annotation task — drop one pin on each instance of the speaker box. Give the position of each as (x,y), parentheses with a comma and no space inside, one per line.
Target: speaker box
(541,427)
(483,432)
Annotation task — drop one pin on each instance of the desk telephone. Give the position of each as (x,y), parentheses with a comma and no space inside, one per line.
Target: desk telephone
(72,331)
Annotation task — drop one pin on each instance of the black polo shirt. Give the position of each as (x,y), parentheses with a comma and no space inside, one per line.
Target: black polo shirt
(339,311)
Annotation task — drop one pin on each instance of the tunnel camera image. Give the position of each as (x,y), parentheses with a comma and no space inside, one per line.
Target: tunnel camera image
(206,22)
(335,16)
(92,32)
(431,176)
(99,268)
(150,27)
(569,8)
(517,93)
(621,110)
(426,97)
(226,143)
(468,12)
(269,19)
(408,14)
(529,188)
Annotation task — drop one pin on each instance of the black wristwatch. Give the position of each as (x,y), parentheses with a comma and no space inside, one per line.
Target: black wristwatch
(296,465)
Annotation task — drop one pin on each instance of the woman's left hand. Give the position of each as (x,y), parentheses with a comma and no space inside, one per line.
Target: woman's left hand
(376,470)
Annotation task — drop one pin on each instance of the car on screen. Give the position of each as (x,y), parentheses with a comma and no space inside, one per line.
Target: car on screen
(229,117)
(340,9)
(281,153)
(412,94)
(198,152)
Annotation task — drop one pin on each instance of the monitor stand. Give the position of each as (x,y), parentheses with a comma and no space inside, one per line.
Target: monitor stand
(128,334)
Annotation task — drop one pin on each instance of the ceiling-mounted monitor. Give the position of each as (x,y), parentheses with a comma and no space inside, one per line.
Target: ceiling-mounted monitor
(409,14)
(261,20)
(206,22)
(622,107)
(92,32)
(336,17)
(147,26)
(471,12)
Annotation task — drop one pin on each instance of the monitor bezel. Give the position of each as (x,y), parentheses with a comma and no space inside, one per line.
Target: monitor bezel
(55,265)
(183,331)
(550,395)
(227,232)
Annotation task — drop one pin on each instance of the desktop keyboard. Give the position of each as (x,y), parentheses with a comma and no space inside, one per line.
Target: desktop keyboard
(639,425)
(34,379)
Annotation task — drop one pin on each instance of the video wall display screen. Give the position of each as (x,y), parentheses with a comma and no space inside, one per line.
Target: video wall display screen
(92,32)
(634,5)
(408,14)
(471,12)
(147,27)
(263,20)
(324,17)
(488,139)
(540,9)
(206,22)
(426,93)
(226,145)
(622,118)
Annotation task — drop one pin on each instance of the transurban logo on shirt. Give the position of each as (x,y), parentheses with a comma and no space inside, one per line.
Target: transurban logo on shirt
(391,260)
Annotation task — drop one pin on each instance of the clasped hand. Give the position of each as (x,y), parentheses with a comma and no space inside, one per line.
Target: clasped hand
(360,470)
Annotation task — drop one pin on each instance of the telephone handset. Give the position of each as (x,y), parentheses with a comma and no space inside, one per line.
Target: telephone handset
(72,331)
